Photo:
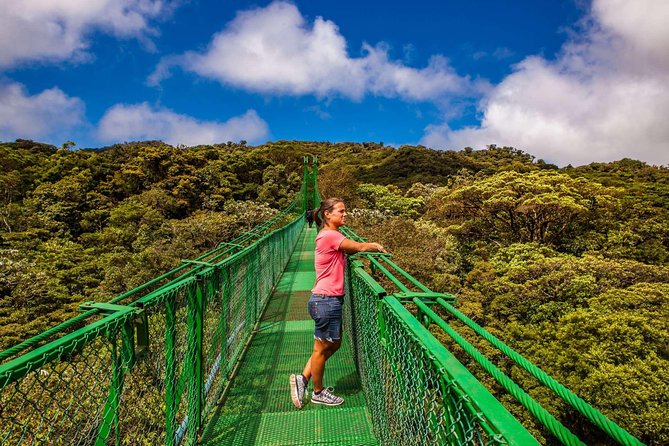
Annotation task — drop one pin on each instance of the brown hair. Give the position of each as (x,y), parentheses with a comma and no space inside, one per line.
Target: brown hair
(327,205)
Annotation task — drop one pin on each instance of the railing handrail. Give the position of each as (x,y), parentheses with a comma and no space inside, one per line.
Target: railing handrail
(425,298)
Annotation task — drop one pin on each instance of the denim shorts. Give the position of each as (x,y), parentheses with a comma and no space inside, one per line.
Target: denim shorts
(326,313)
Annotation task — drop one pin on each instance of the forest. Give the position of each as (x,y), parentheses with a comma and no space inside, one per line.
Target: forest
(568,266)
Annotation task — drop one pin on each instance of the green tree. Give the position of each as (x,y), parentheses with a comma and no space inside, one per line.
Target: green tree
(277,184)
(542,206)
(389,199)
(58,206)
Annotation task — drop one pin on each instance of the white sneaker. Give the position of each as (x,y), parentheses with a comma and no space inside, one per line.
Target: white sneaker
(298,386)
(327,397)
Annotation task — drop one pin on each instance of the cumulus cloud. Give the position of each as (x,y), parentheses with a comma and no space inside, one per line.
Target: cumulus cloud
(49,115)
(642,25)
(141,122)
(604,97)
(56,30)
(275,50)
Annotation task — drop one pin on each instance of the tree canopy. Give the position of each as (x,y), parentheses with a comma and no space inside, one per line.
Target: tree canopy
(568,266)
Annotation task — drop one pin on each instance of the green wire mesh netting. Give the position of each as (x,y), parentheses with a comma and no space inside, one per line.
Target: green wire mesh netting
(408,393)
(149,372)
(63,401)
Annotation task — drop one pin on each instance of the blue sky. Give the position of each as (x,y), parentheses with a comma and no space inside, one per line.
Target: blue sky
(568,81)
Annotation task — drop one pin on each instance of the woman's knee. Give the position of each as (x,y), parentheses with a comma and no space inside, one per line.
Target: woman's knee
(327,348)
(333,347)
(322,347)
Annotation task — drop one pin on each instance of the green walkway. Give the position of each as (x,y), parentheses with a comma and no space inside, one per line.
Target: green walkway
(258,409)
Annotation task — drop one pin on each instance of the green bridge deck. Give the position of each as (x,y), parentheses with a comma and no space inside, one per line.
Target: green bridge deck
(257,409)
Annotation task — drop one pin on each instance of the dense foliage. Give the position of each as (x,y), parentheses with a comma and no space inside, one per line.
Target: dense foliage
(569,266)
(91,224)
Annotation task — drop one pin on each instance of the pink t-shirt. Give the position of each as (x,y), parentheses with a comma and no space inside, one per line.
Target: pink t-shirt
(330,263)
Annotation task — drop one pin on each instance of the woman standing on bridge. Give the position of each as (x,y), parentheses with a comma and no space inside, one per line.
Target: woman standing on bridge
(326,300)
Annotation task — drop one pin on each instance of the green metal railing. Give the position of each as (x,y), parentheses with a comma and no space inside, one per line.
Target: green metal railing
(417,390)
(149,366)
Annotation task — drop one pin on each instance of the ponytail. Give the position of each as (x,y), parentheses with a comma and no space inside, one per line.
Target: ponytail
(316,217)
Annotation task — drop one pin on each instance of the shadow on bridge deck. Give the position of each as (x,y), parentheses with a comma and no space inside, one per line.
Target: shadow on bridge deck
(257,409)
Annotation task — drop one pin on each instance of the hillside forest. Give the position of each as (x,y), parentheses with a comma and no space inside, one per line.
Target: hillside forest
(568,266)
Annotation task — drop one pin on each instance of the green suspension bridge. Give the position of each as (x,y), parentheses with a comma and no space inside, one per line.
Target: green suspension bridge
(202,355)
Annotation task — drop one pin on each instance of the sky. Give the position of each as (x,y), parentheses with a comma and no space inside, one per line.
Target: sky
(570,82)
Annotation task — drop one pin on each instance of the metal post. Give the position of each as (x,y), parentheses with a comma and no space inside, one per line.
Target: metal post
(110,411)
(195,334)
(170,371)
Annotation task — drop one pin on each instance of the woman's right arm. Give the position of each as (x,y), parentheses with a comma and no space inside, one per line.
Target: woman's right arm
(352,247)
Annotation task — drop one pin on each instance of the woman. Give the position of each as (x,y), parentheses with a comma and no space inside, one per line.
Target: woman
(326,300)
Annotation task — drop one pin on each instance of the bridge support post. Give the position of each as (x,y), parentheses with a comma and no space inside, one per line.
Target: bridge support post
(170,371)
(195,335)
(121,361)
(305,185)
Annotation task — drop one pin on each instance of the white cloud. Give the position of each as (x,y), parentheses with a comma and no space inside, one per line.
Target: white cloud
(141,122)
(56,30)
(641,24)
(50,114)
(274,50)
(605,97)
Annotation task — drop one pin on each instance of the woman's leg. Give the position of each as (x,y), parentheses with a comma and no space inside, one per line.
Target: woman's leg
(315,367)
(326,313)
